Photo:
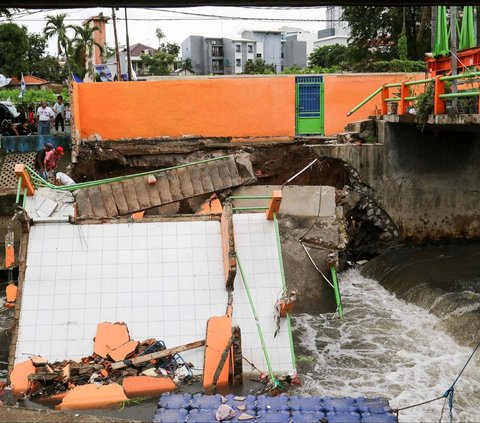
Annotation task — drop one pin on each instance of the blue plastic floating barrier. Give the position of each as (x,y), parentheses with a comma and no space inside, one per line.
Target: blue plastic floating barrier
(202,416)
(378,418)
(266,403)
(373,405)
(273,417)
(164,415)
(352,417)
(174,401)
(339,405)
(305,404)
(304,417)
(250,402)
(206,402)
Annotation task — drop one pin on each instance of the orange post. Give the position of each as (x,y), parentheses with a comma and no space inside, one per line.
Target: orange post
(403,104)
(384,97)
(20,170)
(274,205)
(439,104)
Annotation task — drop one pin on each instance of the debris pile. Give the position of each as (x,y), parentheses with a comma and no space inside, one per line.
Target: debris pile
(119,368)
(202,408)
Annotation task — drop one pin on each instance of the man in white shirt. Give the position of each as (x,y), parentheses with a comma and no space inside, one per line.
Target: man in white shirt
(45,116)
(63,179)
(59,109)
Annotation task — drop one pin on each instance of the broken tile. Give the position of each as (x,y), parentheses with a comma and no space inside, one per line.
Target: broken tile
(109,337)
(93,396)
(19,378)
(123,351)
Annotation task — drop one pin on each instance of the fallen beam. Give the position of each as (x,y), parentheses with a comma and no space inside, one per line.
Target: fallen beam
(160,354)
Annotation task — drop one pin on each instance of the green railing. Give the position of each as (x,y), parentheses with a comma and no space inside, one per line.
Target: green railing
(336,289)
(38,181)
(250,197)
(404,98)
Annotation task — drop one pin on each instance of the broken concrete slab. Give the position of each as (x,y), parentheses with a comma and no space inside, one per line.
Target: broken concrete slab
(123,351)
(93,396)
(19,378)
(147,386)
(109,337)
(298,200)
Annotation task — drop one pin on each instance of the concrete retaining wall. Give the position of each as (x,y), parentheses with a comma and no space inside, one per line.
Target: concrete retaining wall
(427,181)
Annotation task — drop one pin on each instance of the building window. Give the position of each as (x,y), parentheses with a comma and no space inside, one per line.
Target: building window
(217,51)
(217,66)
(238,48)
(259,55)
(250,48)
(282,55)
(238,63)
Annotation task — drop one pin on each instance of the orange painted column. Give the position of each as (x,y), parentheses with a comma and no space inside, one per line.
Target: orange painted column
(403,104)
(20,170)
(439,104)
(274,206)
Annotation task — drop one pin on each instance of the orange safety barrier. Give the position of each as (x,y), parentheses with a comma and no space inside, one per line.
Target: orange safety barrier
(20,170)
(147,386)
(274,206)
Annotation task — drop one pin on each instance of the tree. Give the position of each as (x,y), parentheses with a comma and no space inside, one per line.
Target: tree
(259,66)
(161,62)
(13,47)
(160,35)
(329,56)
(5,12)
(49,69)
(81,46)
(56,27)
(376,29)
(36,50)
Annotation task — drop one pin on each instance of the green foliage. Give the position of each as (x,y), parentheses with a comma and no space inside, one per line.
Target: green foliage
(297,70)
(55,26)
(425,105)
(402,47)
(334,55)
(259,66)
(78,49)
(394,65)
(5,12)
(160,63)
(13,48)
(32,96)
(49,69)
(375,30)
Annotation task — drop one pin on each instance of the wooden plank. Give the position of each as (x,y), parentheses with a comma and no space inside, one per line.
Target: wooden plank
(196,180)
(130,195)
(185,183)
(222,167)
(96,200)
(205,178)
(163,188)
(233,170)
(109,200)
(119,197)
(153,195)
(160,354)
(142,194)
(215,175)
(174,185)
(84,208)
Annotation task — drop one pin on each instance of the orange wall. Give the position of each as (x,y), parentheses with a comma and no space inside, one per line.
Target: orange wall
(344,92)
(217,107)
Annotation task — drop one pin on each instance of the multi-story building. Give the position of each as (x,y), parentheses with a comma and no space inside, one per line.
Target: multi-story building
(136,52)
(269,45)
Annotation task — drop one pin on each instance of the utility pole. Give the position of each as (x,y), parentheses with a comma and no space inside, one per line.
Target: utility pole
(453,53)
(129,60)
(117,52)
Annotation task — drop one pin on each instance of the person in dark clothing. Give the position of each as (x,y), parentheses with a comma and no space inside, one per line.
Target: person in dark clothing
(40,159)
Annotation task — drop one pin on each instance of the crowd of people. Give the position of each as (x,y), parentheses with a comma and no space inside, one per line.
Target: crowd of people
(38,121)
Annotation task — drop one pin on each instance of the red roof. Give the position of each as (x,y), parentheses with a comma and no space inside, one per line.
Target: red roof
(29,80)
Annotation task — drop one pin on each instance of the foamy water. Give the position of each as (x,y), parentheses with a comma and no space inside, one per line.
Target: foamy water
(389,348)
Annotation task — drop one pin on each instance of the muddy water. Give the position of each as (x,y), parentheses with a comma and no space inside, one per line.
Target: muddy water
(386,347)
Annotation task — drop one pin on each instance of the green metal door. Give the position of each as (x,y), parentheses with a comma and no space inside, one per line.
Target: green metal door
(309,105)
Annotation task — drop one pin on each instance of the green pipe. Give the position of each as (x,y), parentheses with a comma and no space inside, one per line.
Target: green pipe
(336,289)
(123,178)
(249,208)
(19,190)
(418,82)
(24,203)
(461,94)
(284,286)
(377,91)
(392,99)
(393,85)
(411,98)
(460,76)
(250,197)
(259,329)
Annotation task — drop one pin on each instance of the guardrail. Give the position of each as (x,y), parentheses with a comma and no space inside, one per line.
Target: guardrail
(404,96)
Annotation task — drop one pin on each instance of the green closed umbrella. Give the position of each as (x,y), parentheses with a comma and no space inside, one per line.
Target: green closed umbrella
(441,47)
(467,32)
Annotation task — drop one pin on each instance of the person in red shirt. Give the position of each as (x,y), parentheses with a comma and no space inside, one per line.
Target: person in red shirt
(51,160)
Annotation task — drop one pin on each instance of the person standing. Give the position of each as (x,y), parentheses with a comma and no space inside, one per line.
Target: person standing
(40,160)
(59,109)
(51,160)
(45,116)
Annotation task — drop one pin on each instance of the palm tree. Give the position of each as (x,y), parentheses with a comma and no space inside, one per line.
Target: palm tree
(83,45)
(56,26)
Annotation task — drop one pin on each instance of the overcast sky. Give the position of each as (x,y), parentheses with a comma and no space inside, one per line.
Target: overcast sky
(178,26)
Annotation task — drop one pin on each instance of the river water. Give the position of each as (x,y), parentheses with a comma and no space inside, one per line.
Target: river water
(386,347)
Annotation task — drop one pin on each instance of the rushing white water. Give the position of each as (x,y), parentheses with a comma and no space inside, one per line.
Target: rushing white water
(389,348)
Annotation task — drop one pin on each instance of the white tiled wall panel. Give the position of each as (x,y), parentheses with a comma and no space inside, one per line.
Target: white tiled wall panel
(163,279)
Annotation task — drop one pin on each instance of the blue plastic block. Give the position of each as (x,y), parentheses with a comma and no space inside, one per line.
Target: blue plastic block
(272,403)
(378,418)
(351,417)
(170,416)
(339,405)
(206,402)
(250,402)
(202,416)
(273,417)
(373,405)
(174,401)
(305,404)
(304,417)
